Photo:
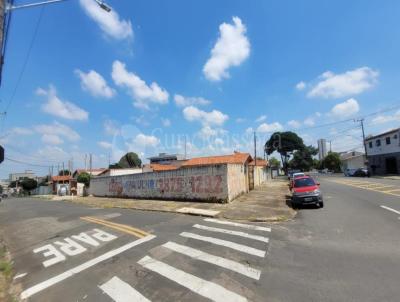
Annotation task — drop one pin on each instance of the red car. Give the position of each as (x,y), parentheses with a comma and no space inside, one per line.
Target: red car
(305,191)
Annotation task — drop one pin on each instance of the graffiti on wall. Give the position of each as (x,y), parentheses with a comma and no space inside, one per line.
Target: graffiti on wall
(195,184)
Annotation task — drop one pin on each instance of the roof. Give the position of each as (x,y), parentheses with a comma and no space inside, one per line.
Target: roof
(236,158)
(95,171)
(382,134)
(159,167)
(259,162)
(61,178)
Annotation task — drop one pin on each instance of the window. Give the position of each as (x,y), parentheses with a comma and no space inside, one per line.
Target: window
(370,144)
(378,142)
(395,136)
(388,140)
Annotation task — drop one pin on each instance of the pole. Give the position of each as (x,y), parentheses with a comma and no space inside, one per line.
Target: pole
(90,164)
(255,149)
(365,146)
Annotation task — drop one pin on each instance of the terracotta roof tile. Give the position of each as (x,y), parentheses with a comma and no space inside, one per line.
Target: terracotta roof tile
(260,162)
(159,167)
(61,178)
(236,158)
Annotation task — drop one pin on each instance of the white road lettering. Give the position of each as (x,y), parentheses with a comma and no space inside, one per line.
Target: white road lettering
(50,250)
(70,247)
(241,225)
(86,239)
(235,233)
(69,273)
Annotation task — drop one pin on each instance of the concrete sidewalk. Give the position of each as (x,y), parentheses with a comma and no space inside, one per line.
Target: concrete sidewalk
(266,203)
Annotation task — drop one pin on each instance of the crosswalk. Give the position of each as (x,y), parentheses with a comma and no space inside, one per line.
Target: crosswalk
(205,235)
(389,189)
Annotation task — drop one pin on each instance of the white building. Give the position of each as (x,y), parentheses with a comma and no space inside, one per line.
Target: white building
(322,152)
(383,152)
(117,172)
(352,160)
(22,175)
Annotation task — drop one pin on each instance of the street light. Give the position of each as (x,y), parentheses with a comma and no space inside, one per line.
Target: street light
(10,7)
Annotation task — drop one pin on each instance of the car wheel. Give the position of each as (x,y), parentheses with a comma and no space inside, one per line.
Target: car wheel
(321,204)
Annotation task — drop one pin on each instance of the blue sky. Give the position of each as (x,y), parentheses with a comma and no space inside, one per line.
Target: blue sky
(151,72)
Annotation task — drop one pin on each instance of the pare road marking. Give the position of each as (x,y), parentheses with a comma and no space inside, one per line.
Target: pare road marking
(72,246)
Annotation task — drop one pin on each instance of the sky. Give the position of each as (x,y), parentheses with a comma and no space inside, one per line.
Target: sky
(156,76)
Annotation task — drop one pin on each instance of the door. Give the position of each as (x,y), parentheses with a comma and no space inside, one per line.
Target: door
(391,165)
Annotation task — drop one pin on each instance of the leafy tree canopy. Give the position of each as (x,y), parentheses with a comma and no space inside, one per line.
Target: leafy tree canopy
(64,172)
(29,184)
(84,178)
(274,162)
(130,160)
(332,162)
(115,166)
(303,159)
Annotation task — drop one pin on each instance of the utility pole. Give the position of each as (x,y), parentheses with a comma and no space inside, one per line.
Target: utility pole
(365,146)
(255,149)
(109,158)
(90,164)
(85,161)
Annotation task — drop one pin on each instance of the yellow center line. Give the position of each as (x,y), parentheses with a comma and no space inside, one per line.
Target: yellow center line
(377,187)
(117,226)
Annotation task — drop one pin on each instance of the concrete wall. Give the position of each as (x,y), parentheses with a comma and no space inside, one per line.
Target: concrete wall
(379,164)
(238,180)
(260,175)
(204,183)
(384,148)
(354,162)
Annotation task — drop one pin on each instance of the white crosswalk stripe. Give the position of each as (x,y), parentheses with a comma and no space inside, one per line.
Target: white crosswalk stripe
(219,261)
(235,233)
(241,225)
(121,291)
(200,286)
(235,246)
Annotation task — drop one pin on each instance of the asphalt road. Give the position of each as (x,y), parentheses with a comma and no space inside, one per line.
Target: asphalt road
(347,251)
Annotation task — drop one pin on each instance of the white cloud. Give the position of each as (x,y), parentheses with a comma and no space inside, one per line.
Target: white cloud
(219,141)
(213,117)
(166,122)
(110,127)
(300,86)
(206,132)
(146,140)
(249,130)
(52,139)
(95,84)
(53,152)
(231,49)
(273,127)
(240,120)
(104,145)
(294,124)
(345,109)
(140,91)
(383,119)
(309,121)
(182,101)
(21,131)
(109,22)
(57,129)
(261,118)
(64,109)
(345,84)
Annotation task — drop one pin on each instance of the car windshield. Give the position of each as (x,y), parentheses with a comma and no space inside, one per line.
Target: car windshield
(304,182)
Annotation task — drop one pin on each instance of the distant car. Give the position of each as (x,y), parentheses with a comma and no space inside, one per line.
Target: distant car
(291,172)
(362,172)
(349,172)
(305,191)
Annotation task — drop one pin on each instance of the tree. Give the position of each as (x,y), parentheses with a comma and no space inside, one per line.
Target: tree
(114,166)
(284,143)
(64,172)
(274,162)
(84,178)
(332,162)
(29,184)
(130,160)
(303,159)
(1,190)
(13,184)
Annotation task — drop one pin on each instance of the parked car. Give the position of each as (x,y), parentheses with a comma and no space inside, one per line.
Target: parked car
(349,172)
(305,191)
(291,172)
(294,176)
(361,172)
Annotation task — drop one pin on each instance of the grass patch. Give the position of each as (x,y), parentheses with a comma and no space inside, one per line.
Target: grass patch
(6,268)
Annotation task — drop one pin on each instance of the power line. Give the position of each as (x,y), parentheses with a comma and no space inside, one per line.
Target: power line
(25,163)
(25,63)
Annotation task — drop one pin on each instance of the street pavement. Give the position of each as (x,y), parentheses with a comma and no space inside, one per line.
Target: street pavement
(347,251)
